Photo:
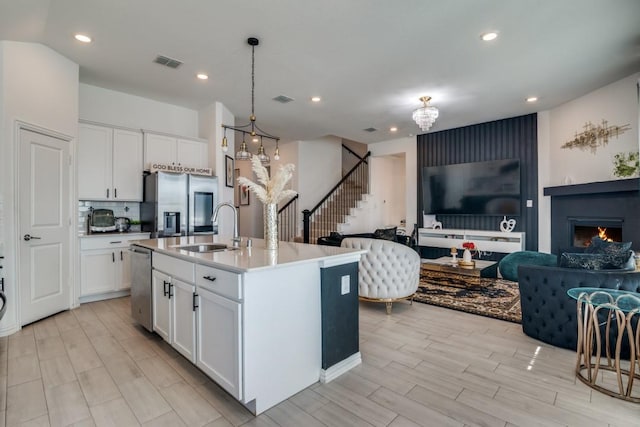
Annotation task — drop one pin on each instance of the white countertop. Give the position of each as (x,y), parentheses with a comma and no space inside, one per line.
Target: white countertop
(254,258)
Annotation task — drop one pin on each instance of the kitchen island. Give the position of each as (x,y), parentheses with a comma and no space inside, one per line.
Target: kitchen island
(264,324)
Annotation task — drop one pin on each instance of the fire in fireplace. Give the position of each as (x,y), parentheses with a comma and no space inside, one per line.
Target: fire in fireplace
(582,234)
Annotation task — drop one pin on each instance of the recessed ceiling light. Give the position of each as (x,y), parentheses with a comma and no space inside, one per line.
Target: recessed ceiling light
(393,129)
(532,99)
(489,36)
(316,99)
(202,76)
(83,38)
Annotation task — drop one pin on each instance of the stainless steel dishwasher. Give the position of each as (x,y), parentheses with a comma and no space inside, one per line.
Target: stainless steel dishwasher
(141,301)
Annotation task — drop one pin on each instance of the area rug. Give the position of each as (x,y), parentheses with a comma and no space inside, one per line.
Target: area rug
(495,298)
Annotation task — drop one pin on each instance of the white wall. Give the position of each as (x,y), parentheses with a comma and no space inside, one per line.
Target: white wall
(39,87)
(210,121)
(544,180)
(406,147)
(388,191)
(121,109)
(320,169)
(618,104)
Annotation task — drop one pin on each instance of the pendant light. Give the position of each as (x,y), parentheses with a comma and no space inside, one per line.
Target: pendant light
(243,153)
(264,158)
(251,128)
(276,154)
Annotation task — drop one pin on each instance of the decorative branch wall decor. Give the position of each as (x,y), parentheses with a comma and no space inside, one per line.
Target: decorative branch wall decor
(593,136)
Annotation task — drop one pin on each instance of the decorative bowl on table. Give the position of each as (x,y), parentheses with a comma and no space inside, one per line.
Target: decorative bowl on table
(466,264)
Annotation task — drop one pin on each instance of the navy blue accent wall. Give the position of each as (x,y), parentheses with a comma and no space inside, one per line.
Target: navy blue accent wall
(513,138)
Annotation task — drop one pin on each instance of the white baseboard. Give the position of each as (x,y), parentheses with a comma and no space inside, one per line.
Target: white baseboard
(328,375)
(107,295)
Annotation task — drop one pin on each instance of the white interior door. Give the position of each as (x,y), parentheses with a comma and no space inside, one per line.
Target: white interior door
(44,225)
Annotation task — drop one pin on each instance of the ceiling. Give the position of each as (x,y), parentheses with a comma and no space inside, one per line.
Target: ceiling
(369,60)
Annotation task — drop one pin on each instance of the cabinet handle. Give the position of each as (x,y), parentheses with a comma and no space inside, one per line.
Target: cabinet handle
(115,242)
(113,257)
(115,193)
(107,193)
(209,278)
(195,304)
(170,288)
(2,283)
(164,289)
(121,257)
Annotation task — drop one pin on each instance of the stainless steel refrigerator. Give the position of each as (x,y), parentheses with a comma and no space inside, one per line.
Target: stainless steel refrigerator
(178,204)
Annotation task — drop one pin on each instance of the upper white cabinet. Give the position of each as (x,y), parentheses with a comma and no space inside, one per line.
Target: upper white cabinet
(164,149)
(109,163)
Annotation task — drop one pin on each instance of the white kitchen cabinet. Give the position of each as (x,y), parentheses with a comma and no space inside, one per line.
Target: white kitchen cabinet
(192,153)
(127,165)
(161,291)
(105,265)
(98,271)
(219,340)
(159,149)
(184,319)
(123,272)
(109,163)
(165,149)
(174,299)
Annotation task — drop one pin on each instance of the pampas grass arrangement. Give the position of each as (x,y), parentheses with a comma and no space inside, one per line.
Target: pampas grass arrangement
(271,190)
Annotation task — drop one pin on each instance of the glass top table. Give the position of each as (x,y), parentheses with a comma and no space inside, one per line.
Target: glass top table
(625,301)
(608,319)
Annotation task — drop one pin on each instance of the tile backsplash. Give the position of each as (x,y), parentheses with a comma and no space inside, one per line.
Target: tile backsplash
(130,210)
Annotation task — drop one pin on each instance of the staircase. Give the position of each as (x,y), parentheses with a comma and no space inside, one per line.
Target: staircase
(337,205)
(335,213)
(359,219)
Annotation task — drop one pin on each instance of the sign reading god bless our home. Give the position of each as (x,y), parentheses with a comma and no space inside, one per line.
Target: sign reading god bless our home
(159,167)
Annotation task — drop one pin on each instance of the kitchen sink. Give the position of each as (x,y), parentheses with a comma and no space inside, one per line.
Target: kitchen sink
(206,247)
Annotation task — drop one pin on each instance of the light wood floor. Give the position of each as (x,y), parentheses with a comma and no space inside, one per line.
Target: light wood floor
(422,366)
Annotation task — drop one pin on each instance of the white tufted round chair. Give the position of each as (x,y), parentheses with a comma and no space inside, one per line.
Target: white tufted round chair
(388,272)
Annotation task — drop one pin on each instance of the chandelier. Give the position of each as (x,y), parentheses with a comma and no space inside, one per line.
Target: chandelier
(251,128)
(425,115)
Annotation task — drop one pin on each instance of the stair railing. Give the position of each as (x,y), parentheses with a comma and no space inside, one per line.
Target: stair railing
(338,201)
(288,220)
(352,152)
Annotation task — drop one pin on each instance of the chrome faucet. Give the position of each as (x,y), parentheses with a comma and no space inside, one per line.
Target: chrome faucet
(214,219)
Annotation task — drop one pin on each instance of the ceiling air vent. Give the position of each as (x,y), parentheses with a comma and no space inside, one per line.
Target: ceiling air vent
(168,62)
(370,129)
(283,99)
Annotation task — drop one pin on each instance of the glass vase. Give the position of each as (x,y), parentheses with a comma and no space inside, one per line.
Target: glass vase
(271,225)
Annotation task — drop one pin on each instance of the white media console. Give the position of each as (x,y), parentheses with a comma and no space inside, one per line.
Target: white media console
(484,240)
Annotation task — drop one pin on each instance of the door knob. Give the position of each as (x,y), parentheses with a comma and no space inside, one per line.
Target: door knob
(28,237)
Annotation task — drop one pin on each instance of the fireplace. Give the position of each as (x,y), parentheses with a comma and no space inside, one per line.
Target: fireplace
(578,210)
(582,230)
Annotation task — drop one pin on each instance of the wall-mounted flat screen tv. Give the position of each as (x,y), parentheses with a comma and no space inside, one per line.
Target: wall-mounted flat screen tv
(479,188)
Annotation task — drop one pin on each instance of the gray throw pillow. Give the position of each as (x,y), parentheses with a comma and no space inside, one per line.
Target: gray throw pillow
(599,246)
(581,261)
(386,234)
(606,261)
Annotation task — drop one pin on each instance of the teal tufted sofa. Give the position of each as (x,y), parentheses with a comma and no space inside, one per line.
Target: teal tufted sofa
(508,266)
